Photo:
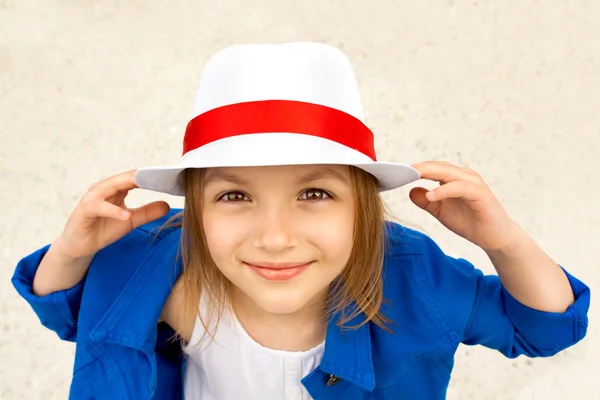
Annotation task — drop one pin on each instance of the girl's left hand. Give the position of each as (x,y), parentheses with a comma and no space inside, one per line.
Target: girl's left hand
(464,204)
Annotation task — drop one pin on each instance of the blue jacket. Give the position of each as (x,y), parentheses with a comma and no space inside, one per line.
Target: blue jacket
(436,302)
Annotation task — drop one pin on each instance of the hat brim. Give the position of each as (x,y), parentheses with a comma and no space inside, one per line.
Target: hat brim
(270,149)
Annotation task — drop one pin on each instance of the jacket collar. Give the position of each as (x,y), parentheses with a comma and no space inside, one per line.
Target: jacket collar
(132,318)
(348,353)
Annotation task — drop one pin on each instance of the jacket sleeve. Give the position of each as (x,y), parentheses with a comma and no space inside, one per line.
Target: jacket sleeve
(57,311)
(481,310)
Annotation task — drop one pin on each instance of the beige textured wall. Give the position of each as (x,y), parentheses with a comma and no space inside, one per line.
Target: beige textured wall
(510,88)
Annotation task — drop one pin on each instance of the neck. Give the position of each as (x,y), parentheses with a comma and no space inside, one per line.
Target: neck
(298,331)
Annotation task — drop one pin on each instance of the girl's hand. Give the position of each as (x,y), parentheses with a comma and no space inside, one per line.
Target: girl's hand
(101,217)
(464,204)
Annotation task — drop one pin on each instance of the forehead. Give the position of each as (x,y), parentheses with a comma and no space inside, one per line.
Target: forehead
(291,173)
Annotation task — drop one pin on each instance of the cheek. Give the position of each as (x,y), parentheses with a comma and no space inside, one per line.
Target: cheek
(332,235)
(222,237)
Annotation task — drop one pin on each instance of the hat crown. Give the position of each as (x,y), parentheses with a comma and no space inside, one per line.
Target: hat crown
(307,72)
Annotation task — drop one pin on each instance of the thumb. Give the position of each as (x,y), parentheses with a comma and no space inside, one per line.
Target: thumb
(148,213)
(417,196)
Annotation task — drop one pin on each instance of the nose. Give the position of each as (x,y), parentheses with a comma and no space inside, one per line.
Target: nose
(274,231)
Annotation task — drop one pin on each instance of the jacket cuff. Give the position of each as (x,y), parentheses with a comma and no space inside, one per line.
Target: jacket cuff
(56,311)
(551,331)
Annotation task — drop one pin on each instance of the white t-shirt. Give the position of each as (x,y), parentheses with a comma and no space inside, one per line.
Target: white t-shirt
(234,367)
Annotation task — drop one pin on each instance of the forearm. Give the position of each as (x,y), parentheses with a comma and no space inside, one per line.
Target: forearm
(57,272)
(530,275)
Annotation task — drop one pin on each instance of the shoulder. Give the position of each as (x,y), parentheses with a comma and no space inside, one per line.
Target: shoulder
(163,226)
(413,252)
(115,264)
(143,238)
(127,277)
(408,254)
(419,274)
(404,241)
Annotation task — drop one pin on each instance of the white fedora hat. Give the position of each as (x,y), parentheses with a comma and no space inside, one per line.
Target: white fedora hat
(276,104)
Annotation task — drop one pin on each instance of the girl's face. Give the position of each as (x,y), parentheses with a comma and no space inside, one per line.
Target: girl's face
(280,234)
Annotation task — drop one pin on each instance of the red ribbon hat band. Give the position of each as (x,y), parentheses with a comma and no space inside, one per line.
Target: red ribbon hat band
(284,116)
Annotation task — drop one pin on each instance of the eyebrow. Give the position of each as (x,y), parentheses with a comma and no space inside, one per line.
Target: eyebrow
(326,173)
(214,176)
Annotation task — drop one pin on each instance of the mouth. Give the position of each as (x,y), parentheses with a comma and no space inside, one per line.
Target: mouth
(278,271)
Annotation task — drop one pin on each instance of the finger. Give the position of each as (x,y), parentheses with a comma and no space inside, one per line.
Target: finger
(453,190)
(417,196)
(444,172)
(471,172)
(148,213)
(103,209)
(112,185)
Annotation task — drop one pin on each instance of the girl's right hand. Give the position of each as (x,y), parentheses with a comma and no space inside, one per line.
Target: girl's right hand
(102,218)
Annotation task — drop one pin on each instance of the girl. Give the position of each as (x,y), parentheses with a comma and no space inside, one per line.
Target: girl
(280,276)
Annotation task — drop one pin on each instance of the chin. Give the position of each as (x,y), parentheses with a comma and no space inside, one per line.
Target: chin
(277,302)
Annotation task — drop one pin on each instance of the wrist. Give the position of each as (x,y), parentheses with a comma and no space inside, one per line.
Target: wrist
(59,270)
(60,252)
(516,242)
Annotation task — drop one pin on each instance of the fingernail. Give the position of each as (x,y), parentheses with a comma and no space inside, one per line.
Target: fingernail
(430,195)
(125,215)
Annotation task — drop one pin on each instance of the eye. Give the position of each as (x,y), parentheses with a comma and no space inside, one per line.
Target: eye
(314,194)
(233,197)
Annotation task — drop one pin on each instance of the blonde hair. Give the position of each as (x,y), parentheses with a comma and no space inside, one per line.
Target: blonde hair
(358,289)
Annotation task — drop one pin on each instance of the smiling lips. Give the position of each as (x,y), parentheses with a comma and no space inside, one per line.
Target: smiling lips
(278,271)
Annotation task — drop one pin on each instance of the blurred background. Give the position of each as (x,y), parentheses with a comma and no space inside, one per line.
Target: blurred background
(509,88)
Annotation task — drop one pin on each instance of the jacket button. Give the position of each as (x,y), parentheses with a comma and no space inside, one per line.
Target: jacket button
(333,380)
